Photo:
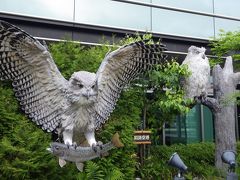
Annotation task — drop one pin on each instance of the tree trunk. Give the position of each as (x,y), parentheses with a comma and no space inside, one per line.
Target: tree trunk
(224,85)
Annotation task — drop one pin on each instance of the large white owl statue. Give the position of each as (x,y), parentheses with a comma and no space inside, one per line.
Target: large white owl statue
(81,104)
(197,83)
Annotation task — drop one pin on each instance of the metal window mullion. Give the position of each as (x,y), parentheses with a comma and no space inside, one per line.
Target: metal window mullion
(202,123)
(163,135)
(236,123)
(214,20)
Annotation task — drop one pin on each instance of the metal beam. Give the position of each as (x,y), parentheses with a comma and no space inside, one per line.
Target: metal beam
(178,9)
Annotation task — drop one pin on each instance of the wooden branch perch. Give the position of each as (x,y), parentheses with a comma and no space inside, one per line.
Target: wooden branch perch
(212,104)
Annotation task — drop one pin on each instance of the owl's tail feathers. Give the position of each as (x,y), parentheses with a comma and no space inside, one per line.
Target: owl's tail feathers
(116,141)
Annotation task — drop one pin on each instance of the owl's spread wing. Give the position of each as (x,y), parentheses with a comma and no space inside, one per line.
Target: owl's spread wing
(37,82)
(118,69)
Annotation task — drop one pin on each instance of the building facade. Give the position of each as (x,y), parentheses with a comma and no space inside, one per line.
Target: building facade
(179,24)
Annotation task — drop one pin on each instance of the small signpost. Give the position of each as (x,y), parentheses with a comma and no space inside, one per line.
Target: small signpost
(142,137)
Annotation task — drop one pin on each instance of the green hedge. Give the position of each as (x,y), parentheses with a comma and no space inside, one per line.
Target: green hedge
(198,157)
(23,145)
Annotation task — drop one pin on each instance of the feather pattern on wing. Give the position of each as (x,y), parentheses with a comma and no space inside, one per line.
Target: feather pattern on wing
(38,85)
(118,69)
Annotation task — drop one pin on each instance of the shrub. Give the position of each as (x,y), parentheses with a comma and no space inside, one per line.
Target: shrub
(23,144)
(226,44)
(198,157)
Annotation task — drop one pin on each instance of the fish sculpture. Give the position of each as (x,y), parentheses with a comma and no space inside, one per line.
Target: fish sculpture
(81,154)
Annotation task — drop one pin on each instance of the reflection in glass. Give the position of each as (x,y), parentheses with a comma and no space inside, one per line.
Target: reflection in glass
(193,125)
(227,7)
(208,124)
(196,5)
(111,13)
(52,9)
(182,24)
(226,25)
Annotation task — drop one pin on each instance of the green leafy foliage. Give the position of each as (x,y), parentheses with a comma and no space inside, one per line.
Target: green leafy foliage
(137,37)
(71,57)
(166,100)
(23,145)
(168,91)
(199,158)
(123,120)
(227,43)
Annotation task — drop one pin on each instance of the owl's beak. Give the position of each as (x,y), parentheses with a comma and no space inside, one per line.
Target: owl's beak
(87,94)
(203,56)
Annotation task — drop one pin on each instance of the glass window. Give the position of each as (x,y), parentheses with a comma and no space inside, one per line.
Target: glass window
(52,9)
(111,13)
(226,25)
(193,125)
(182,24)
(208,124)
(176,132)
(196,5)
(227,7)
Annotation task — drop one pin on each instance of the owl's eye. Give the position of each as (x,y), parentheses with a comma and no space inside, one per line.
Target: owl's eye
(93,86)
(80,86)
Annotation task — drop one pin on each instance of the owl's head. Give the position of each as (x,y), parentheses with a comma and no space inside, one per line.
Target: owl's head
(82,87)
(196,51)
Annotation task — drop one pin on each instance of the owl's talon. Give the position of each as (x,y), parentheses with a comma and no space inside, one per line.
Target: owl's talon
(94,147)
(97,147)
(201,98)
(74,145)
(100,144)
(68,145)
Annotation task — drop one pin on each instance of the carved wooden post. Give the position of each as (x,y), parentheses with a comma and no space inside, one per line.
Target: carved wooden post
(224,85)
